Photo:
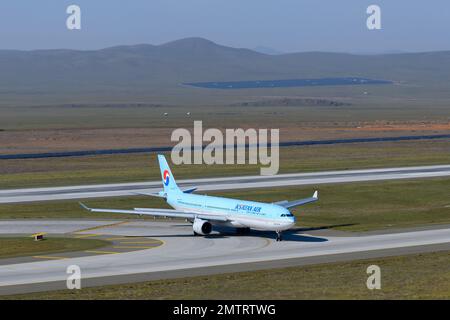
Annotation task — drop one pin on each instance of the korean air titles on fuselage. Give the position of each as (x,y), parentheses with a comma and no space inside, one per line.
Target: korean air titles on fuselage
(249,209)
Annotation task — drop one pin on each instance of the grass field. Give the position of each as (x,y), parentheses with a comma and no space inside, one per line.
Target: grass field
(350,206)
(144,167)
(216,113)
(420,276)
(26,246)
(53,129)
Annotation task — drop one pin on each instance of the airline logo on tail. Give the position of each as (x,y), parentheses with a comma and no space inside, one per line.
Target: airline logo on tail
(166,177)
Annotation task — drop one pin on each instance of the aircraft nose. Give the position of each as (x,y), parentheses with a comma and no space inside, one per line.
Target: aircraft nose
(290,222)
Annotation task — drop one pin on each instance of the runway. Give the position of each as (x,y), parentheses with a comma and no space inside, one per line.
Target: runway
(227,183)
(183,254)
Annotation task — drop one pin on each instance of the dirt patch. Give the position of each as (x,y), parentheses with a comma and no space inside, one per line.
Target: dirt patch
(34,141)
(81,139)
(387,126)
(292,102)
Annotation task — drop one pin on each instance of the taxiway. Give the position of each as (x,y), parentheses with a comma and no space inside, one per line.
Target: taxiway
(184,255)
(227,183)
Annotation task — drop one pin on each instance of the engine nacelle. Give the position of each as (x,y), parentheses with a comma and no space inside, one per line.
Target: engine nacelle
(202,227)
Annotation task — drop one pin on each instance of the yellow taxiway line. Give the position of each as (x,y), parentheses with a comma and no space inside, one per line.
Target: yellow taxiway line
(101,252)
(140,242)
(134,247)
(50,257)
(102,226)
(87,235)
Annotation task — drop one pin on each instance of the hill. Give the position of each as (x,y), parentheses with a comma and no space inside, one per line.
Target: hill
(145,68)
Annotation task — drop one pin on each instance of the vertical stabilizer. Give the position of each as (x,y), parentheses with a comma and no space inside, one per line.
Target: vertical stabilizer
(168,180)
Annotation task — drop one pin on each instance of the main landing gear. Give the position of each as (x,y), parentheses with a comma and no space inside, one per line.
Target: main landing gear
(279,236)
(242,230)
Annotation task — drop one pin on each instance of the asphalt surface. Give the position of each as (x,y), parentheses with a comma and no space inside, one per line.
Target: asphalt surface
(182,254)
(227,183)
(113,245)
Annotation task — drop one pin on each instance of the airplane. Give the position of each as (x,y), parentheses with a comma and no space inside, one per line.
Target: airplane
(205,211)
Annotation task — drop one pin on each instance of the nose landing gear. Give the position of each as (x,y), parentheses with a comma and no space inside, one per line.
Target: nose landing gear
(279,236)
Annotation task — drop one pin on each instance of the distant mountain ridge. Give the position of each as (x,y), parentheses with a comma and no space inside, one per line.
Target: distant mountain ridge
(267,50)
(151,67)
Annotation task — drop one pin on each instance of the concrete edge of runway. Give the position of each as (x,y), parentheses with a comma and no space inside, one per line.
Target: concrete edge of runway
(221,269)
(227,183)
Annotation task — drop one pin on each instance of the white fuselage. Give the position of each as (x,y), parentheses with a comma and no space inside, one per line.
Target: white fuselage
(239,213)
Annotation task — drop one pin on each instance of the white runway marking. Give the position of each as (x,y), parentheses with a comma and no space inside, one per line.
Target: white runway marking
(228,183)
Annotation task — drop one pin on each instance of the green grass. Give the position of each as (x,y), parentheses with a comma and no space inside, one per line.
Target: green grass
(20,247)
(143,167)
(420,276)
(368,205)
(352,206)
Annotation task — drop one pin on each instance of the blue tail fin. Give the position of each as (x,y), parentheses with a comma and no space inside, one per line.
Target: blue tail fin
(168,180)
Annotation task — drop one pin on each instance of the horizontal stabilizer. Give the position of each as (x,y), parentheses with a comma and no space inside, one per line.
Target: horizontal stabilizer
(151,194)
(190,190)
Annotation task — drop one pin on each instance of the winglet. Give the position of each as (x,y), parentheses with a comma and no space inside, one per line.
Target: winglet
(316,195)
(84,206)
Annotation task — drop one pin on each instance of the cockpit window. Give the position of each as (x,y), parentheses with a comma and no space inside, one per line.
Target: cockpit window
(286,215)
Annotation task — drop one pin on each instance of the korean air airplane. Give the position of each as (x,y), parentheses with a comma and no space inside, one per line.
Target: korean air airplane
(205,211)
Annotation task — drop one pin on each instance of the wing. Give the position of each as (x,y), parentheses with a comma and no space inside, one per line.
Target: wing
(295,203)
(161,213)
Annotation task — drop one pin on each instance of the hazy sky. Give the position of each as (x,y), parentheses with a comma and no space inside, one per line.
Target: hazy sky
(285,25)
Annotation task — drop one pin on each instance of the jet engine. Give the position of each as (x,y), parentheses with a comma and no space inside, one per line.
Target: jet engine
(202,227)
